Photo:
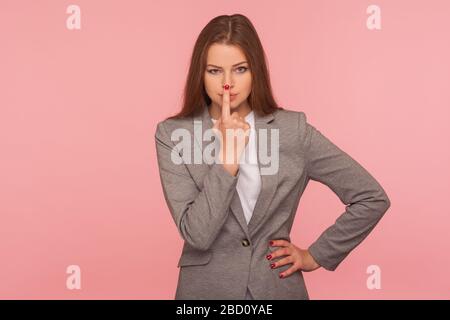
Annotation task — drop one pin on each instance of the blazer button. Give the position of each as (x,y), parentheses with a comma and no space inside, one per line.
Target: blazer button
(245,242)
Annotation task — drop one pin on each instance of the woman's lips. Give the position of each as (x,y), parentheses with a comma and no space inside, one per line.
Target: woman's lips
(232,96)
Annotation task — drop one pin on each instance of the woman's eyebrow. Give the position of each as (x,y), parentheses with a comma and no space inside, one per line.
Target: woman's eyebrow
(234,65)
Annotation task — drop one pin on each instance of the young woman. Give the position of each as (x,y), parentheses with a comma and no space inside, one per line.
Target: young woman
(235,214)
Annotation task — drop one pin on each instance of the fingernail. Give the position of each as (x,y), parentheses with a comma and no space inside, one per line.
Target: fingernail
(269,256)
(226,87)
(281,275)
(272,265)
(271,243)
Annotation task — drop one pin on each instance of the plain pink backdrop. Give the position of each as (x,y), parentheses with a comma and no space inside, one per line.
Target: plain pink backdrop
(79,182)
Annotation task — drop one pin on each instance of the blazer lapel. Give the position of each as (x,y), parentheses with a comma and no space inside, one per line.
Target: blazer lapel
(236,207)
(269,183)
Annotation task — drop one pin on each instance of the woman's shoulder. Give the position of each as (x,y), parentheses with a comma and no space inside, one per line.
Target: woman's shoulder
(291,117)
(170,124)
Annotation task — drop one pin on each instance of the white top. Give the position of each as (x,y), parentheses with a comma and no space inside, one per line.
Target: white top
(249,180)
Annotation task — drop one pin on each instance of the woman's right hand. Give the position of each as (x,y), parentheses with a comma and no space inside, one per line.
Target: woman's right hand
(238,135)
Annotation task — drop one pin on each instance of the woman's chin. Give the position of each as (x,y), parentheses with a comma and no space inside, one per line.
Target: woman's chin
(234,104)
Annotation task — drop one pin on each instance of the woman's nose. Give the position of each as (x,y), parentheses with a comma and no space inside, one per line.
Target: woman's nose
(229,82)
(227,79)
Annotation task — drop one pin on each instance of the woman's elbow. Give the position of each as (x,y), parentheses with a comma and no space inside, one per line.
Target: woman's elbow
(384,203)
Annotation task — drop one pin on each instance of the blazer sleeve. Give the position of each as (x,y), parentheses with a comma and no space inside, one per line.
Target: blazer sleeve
(198,214)
(365,199)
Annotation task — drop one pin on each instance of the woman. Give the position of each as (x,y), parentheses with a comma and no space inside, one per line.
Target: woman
(233,213)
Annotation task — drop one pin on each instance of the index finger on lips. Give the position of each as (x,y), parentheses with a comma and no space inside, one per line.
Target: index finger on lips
(226,102)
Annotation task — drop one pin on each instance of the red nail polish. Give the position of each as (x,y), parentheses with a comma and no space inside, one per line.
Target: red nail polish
(271,243)
(226,87)
(281,275)
(269,257)
(272,265)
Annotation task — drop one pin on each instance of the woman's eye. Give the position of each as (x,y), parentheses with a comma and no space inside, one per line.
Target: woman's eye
(244,69)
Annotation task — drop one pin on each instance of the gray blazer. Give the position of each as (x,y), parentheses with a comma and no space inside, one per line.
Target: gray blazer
(222,256)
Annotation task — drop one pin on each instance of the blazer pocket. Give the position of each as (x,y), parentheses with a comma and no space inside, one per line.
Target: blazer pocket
(194,258)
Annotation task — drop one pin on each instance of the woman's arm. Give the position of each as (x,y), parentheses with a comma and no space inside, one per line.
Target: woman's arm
(198,214)
(365,199)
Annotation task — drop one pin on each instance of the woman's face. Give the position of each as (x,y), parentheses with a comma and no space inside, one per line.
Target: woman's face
(227,64)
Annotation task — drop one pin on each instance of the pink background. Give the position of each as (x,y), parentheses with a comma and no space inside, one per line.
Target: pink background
(79,182)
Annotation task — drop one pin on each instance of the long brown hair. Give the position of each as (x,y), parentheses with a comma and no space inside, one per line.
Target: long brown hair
(235,30)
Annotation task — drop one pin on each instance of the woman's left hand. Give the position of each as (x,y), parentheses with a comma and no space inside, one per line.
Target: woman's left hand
(299,258)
